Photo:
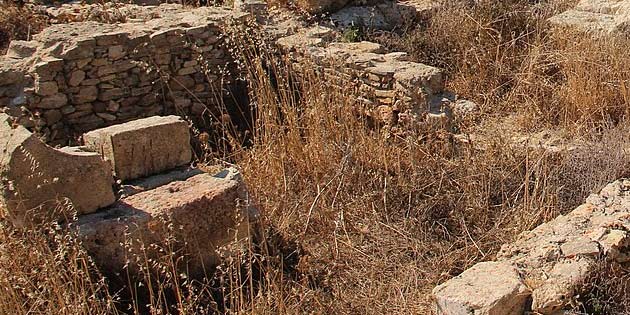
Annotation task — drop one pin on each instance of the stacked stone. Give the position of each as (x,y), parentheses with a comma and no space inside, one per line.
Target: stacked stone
(88,80)
(394,90)
(545,269)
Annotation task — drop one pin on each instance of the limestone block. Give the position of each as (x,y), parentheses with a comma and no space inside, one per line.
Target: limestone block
(488,288)
(143,147)
(35,176)
(600,6)
(564,279)
(198,215)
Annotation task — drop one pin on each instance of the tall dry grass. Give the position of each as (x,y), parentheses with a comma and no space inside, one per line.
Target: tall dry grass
(507,57)
(44,270)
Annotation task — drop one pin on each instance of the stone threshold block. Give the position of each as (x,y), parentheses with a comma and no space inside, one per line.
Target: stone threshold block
(143,147)
(35,177)
(200,218)
(544,270)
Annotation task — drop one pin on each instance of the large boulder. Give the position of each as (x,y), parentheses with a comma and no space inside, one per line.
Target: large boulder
(34,177)
(143,147)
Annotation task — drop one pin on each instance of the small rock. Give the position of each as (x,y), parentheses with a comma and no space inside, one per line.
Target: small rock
(488,288)
(113,106)
(54,101)
(52,116)
(47,88)
(76,78)
(116,52)
(581,246)
(106,116)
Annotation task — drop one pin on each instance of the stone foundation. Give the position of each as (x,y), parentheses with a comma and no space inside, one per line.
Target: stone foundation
(545,268)
(77,77)
(393,91)
(198,218)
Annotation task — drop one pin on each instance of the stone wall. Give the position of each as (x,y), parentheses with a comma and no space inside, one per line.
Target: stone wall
(76,77)
(546,268)
(395,92)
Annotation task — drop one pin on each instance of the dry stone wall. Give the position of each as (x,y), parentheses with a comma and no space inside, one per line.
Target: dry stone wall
(545,268)
(76,77)
(394,91)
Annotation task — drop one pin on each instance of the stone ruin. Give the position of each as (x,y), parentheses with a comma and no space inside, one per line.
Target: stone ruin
(610,17)
(76,77)
(392,91)
(160,195)
(545,269)
(116,92)
(114,86)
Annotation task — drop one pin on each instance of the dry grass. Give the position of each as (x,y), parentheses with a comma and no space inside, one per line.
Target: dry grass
(18,23)
(380,221)
(44,270)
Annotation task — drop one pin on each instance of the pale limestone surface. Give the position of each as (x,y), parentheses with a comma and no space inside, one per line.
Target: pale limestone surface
(609,17)
(491,288)
(555,258)
(143,147)
(202,218)
(35,177)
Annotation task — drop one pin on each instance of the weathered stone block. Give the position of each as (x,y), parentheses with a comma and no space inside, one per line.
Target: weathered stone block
(198,216)
(143,147)
(488,288)
(35,176)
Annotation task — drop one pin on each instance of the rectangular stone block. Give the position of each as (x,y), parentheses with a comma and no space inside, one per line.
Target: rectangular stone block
(195,217)
(143,147)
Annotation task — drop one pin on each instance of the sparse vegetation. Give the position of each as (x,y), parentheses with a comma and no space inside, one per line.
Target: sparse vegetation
(18,22)
(380,220)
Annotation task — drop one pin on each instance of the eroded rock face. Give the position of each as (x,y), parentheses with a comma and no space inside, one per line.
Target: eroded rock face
(35,177)
(199,217)
(143,147)
(554,259)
